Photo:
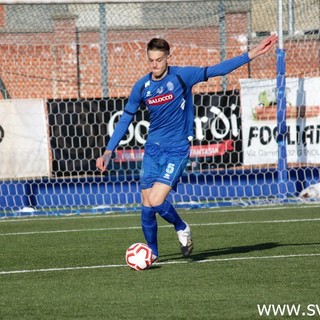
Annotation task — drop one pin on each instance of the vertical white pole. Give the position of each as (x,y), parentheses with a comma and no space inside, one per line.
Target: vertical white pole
(280,26)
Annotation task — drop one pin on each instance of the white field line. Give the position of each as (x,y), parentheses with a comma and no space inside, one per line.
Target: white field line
(302,255)
(123,215)
(164,226)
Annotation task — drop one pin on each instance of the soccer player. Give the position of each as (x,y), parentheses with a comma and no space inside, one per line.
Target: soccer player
(167,93)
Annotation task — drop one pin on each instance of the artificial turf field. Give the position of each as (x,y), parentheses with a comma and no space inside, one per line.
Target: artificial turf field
(72,267)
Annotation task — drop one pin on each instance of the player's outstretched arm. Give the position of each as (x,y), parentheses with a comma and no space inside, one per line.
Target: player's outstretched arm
(263,47)
(102,162)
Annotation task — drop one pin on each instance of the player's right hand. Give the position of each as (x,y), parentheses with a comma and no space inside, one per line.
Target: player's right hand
(102,162)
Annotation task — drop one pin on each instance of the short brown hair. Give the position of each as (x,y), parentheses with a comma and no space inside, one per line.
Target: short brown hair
(159,44)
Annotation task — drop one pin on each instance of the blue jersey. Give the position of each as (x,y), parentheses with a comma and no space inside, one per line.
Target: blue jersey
(170,102)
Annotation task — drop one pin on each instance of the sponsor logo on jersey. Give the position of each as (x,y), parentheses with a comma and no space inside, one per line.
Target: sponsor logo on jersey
(158,100)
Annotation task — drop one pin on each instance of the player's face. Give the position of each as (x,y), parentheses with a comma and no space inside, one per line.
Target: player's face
(158,61)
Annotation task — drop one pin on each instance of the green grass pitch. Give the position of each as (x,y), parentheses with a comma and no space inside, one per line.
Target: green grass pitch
(73,267)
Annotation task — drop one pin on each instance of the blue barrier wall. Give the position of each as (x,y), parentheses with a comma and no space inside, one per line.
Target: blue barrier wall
(217,187)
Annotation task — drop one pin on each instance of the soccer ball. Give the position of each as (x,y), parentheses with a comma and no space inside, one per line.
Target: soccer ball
(139,256)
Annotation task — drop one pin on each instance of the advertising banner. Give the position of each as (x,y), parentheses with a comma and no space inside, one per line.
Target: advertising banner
(80,130)
(24,150)
(259,120)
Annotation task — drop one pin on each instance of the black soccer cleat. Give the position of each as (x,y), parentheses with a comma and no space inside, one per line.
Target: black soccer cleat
(186,244)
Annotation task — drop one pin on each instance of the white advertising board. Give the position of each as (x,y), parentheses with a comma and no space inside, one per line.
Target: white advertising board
(24,148)
(259,120)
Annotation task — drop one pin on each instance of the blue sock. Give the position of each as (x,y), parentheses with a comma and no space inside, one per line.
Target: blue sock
(169,213)
(150,228)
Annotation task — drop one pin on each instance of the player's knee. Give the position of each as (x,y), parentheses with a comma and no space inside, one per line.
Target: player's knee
(155,200)
(146,203)
(157,195)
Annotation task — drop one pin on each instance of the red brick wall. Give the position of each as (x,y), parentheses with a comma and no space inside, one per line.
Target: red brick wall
(63,64)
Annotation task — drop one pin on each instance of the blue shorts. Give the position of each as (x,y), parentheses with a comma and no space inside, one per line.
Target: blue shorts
(163,164)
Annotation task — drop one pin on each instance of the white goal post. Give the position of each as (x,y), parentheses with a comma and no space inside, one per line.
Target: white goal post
(66,71)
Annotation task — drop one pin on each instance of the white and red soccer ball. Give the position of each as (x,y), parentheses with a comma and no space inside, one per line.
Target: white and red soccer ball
(139,256)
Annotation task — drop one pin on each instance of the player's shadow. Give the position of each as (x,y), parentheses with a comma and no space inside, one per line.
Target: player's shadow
(205,254)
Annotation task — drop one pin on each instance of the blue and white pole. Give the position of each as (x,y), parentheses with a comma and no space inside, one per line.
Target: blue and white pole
(281,111)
